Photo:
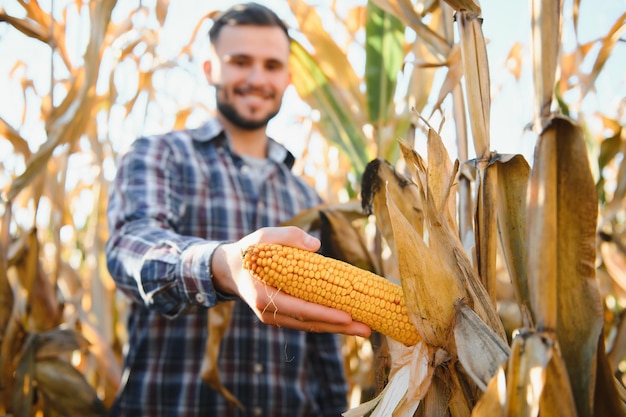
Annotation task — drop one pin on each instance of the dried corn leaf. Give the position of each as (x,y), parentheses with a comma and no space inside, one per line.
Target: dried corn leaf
(342,240)
(27,260)
(335,64)
(480,350)
(57,342)
(608,44)
(561,259)
(453,78)
(486,225)
(309,219)
(6,291)
(465,5)
(513,177)
(162,7)
(476,70)
(341,125)
(28,27)
(20,145)
(66,390)
(218,321)
(546,41)
(607,401)
(542,232)
(24,386)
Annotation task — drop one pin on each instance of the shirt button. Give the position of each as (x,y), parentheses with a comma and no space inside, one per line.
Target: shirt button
(257,411)
(200,298)
(245,169)
(258,368)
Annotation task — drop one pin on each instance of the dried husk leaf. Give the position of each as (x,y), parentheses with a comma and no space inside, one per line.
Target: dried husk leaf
(557,399)
(441,175)
(422,362)
(491,404)
(480,350)
(380,179)
(439,396)
(561,258)
(431,288)
(462,396)
(445,243)
(218,321)
(410,377)
(526,374)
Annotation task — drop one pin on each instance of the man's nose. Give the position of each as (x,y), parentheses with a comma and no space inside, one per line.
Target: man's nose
(256,75)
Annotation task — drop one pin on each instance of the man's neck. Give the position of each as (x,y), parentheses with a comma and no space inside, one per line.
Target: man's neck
(246,142)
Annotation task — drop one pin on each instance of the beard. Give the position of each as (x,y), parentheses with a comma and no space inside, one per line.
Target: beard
(232,115)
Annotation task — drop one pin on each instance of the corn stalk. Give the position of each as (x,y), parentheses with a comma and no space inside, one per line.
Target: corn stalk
(557,358)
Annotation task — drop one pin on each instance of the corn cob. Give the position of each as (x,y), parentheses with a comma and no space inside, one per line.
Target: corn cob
(367,297)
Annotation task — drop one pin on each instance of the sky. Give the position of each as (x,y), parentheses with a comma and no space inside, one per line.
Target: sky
(504,24)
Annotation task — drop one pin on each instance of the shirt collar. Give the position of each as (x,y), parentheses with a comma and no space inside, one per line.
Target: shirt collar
(213,129)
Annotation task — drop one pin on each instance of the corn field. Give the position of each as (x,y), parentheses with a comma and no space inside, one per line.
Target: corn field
(513,267)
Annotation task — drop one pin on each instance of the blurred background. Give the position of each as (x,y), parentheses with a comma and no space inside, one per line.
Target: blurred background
(80,80)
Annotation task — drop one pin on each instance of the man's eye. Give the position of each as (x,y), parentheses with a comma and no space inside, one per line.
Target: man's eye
(273,66)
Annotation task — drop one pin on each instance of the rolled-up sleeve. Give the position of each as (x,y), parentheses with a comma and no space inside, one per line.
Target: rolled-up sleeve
(150,261)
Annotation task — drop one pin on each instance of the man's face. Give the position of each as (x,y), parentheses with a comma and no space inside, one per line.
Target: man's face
(250,73)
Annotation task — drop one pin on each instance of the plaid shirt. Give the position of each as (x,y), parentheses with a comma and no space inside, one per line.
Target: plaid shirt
(175,198)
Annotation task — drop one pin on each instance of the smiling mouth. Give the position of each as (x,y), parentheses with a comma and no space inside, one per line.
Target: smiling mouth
(250,91)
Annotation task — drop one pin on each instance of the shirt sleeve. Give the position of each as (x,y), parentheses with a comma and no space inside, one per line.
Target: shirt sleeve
(330,386)
(148,259)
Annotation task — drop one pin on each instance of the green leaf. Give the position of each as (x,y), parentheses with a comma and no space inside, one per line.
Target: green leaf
(384,58)
(337,123)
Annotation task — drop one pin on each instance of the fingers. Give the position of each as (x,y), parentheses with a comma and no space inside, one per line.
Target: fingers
(282,310)
(352,328)
(286,235)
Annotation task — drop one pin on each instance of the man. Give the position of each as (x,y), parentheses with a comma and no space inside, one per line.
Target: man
(183,207)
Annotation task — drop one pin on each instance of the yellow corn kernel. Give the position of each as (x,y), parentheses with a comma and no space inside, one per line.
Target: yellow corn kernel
(367,297)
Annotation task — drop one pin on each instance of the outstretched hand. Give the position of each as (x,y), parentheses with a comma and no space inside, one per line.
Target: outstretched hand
(270,305)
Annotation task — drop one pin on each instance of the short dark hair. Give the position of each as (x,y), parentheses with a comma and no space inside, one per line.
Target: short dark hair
(246,14)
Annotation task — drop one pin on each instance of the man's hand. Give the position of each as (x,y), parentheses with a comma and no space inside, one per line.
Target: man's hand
(271,306)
